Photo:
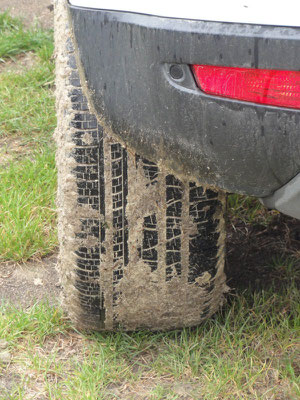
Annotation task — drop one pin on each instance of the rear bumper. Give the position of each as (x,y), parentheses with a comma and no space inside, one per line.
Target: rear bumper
(237,146)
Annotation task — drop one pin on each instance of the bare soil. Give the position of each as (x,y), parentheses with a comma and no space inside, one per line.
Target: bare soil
(20,63)
(31,11)
(253,250)
(25,284)
(12,149)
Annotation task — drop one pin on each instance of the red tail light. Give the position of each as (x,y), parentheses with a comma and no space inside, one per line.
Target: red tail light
(264,86)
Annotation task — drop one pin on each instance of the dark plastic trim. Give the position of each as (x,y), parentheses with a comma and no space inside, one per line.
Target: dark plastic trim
(238,146)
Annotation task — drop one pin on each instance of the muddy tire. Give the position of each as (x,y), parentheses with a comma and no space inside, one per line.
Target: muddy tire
(139,248)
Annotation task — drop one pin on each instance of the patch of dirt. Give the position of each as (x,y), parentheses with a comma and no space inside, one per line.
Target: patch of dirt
(25,284)
(143,389)
(31,11)
(252,250)
(19,63)
(11,149)
(8,382)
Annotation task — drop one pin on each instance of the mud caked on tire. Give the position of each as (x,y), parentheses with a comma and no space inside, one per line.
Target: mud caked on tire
(139,248)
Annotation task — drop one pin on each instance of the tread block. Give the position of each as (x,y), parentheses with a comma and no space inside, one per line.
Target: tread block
(203,247)
(174,195)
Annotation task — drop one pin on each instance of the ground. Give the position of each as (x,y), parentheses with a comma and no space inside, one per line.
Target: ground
(24,284)
(249,251)
(31,11)
(252,248)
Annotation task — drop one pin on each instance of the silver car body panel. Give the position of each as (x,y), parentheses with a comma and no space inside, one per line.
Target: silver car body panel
(261,12)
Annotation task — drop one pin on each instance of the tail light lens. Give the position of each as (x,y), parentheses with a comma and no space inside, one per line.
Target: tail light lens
(263,86)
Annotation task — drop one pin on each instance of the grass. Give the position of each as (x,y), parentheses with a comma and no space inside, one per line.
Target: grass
(27,117)
(27,209)
(27,104)
(26,97)
(249,350)
(14,39)
(249,210)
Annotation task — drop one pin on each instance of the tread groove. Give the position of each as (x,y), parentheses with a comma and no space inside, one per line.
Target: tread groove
(174,197)
(203,247)
(120,225)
